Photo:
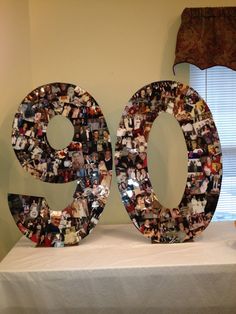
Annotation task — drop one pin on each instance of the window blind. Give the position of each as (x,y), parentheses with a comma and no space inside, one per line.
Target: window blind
(217,85)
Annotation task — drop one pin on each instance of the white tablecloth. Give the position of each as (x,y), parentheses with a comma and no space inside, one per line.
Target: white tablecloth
(116,270)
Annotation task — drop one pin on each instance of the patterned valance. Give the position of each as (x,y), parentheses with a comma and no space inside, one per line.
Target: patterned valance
(207,37)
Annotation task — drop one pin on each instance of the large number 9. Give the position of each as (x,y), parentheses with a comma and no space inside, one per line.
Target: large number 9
(169,225)
(87,159)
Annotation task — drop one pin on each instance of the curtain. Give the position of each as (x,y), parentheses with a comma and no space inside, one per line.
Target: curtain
(207,37)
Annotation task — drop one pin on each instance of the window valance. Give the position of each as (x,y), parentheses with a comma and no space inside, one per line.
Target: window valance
(207,37)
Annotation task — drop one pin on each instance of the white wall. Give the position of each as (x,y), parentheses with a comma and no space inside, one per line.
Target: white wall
(15,81)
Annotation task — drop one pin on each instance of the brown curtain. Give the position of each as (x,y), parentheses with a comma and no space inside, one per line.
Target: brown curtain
(207,37)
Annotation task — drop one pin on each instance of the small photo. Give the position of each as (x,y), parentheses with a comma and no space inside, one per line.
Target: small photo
(194,165)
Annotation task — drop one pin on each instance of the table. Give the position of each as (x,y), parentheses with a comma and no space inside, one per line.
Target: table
(117,270)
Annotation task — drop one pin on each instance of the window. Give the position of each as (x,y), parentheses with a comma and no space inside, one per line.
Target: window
(217,86)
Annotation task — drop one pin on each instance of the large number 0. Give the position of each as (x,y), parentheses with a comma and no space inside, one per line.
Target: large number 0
(87,160)
(169,225)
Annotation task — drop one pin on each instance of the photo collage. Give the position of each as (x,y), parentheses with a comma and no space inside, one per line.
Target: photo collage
(86,160)
(199,201)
